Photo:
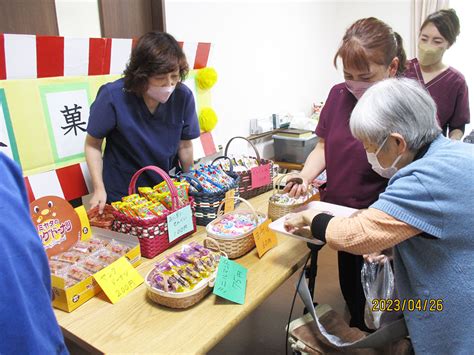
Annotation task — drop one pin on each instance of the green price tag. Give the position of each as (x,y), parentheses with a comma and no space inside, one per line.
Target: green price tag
(231,281)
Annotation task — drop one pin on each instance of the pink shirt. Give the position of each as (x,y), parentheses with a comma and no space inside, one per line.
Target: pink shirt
(350,179)
(449,91)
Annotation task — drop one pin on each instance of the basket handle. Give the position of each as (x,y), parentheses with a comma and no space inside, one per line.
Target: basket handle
(219,210)
(231,170)
(210,243)
(249,142)
(174,193)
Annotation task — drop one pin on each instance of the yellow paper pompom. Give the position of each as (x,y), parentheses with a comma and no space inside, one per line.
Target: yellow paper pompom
(207,119)
(206,78)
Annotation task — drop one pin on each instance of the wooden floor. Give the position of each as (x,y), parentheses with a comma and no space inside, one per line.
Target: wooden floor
(263,332)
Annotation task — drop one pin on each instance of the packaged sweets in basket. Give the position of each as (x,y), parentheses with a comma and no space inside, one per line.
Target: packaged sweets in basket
(208,186)
(233,231)
(280,203)
(183,278)
(243,166)
(145,215)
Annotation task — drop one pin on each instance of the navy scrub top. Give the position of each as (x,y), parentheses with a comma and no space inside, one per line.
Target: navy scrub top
(136,138)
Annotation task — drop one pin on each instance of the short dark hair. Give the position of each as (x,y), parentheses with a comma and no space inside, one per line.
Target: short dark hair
(155,53)
(447,23)
(370,40)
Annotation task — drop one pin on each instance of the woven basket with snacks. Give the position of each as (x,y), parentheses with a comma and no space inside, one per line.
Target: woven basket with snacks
(247,188)
(280,204)
(233,231)
(152,232)
(182,279)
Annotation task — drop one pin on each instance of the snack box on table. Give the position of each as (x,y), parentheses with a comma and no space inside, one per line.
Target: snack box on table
(70,298)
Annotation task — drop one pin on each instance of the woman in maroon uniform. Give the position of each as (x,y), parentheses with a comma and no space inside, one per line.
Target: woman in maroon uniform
(445,84)
(370,51)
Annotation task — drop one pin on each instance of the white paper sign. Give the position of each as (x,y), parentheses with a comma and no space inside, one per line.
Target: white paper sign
(69,115)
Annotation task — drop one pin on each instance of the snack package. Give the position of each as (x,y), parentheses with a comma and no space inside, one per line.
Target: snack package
(131,198)
(117,248)
(106,256)
(77,273)
(92,264)
(70,257)
(158,280)
(97,242)
(157,208)
(176,282)
(86,247)
(57,267)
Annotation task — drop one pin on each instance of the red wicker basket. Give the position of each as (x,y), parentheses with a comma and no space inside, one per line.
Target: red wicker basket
(152,233)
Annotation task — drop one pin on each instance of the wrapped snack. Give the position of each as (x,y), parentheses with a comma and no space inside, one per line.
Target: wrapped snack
(144,191)
(117,248)
(106,256)
(204,182)
(92,264)
(70,257)
(185,270)
(143,211)
(158,280)
(131,198)
(234,225)
(209,258)
(157,208)
(77,273)
(176,282)
(57,267)
(86,247)
(97,242)
(104,220)
(124,207)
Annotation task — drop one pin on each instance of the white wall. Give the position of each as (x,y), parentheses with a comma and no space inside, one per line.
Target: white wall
(459,55)
(271,56)
(274,56)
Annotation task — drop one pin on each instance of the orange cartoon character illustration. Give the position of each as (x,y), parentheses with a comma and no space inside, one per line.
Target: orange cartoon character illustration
(56,222)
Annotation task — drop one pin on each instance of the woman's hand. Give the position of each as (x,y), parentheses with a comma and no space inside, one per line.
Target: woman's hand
(99,198)
(296,186)
(295,221)
(376,257)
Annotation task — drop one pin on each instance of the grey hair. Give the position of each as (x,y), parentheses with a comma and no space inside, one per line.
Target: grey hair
(396,106)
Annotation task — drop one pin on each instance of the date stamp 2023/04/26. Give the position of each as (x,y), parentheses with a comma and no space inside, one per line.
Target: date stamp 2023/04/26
(410,305)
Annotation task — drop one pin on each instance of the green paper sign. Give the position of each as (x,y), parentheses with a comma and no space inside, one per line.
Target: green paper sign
(180,223)
(231,281)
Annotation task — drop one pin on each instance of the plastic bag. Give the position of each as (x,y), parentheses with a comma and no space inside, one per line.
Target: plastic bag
(378,284)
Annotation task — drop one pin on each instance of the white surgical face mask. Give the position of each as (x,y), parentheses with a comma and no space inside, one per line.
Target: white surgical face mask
(379,169)
(160,93)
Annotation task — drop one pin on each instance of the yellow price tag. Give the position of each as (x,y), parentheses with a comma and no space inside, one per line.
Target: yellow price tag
(265,239)
(85,225)
(118,279)
(229,201)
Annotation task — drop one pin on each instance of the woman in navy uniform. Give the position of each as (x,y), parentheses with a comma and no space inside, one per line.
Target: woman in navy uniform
(148,117)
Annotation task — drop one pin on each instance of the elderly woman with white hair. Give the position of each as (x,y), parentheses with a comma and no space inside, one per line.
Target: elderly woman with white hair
(426,214)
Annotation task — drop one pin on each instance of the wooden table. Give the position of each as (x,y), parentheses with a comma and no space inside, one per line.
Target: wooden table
(135,324)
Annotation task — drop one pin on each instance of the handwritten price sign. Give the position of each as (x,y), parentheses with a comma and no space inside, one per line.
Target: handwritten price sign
(180,223)
(260,176)
(118,279)
(231,281)
(265,239)
(229,201)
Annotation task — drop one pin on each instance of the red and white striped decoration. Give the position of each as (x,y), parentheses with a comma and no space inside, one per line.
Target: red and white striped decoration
(70,182)
(30,56)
